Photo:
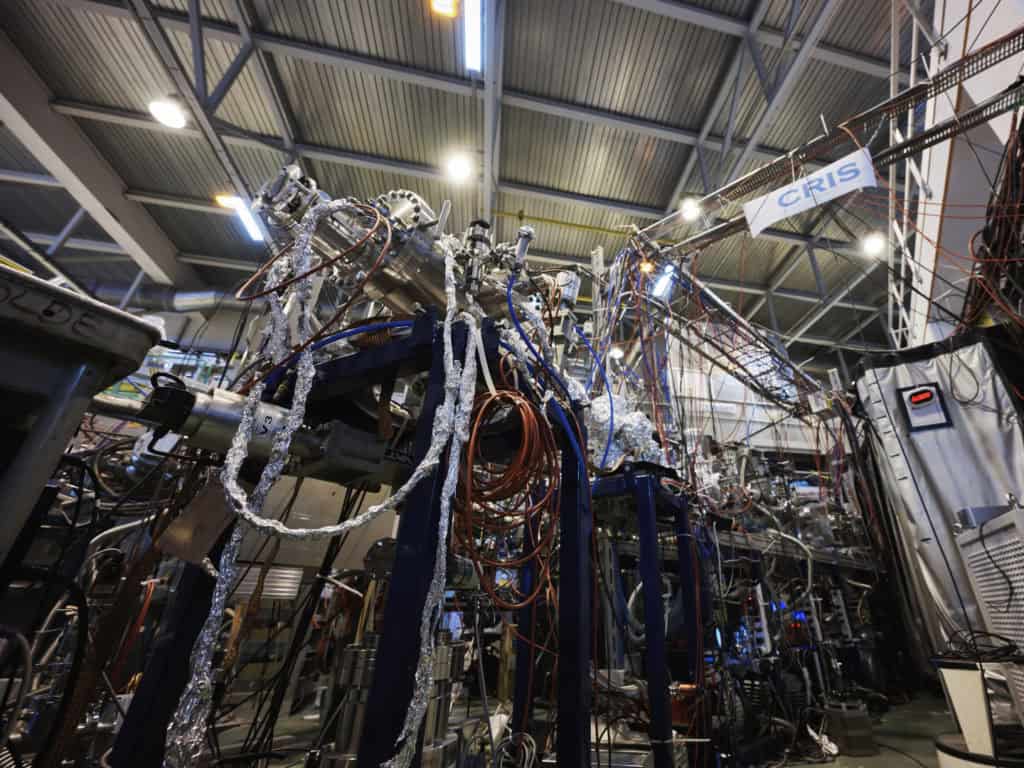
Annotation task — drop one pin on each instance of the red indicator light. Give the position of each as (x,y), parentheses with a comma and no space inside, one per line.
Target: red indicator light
(921,397)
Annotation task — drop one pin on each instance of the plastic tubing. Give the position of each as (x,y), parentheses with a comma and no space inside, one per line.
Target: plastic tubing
(529,345)
(330,339)
(608,390)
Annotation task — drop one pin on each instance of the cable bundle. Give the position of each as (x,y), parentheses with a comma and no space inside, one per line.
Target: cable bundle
(996,277)
(501,502)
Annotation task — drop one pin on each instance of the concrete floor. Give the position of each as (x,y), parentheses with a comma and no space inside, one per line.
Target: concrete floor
(911,728)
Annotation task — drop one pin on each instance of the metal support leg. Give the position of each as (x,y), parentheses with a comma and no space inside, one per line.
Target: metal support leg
(397,653)
(522,698)
(654,623)
(140,742)
(689,584)
(574,615)
(692,594)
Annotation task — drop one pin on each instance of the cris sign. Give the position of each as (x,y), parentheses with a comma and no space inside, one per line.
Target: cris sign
(855,171)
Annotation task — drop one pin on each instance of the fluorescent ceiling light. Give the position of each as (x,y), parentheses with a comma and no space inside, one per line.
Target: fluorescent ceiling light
(616,353)
(447,8)
(690,208)
(647,267)
(244,214)
(664,284)
(874,244)
(168,112)
(458,167)
(472,22)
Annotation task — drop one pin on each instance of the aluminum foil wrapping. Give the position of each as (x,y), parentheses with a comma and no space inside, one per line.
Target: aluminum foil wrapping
(632,437)
(577,391)
(598,418)
(186,734)
(442,427)
(424,677)
(533,318)
(635,432)
(519,357)
(187,731)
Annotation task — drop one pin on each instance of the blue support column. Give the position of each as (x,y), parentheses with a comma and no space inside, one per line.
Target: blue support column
(522,698)
(574,612)
(656,659)
(688,576)
(398,649)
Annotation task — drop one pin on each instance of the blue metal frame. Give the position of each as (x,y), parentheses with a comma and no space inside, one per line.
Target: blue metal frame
(689,574)
(643,486)
(522,697)
(575,613)
(140,741)
(644,490)
(398,648)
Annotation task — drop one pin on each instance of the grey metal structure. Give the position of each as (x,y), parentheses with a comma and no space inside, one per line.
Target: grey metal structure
(586,118)
(992,554)
(60,349)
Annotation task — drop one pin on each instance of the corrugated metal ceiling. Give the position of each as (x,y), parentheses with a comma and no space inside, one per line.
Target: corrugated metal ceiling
(594,53)
(607,55)
(588,159)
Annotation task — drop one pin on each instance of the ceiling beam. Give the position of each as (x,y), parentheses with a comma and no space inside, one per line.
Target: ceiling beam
(234,136)
(88,244)
(177,201)
(782,90)
(494,45)
(219,262)
(268,79)
(63,149)
(450,84)
(859,327)
(146,16)
(28,178)
(792,258)
(66,232)
(736,27)
(821,341)
(721,284)
(828,305)
(9,232)
(240,138)
(630,124)
(723,95)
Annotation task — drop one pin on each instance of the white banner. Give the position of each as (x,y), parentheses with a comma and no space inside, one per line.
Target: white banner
(854,171)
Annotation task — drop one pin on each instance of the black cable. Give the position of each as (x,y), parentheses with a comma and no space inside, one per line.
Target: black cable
(997,566)
(128,494)
(235,341)
(66,545)
(154,380)
(77,597)
(261,733)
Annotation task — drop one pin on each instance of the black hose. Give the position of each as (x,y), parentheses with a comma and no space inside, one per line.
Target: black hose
(77,597)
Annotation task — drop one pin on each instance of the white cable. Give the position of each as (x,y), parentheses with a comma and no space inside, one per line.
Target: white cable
(342,585)
(810,559)
(485,369)
(119,529)
(637,631)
